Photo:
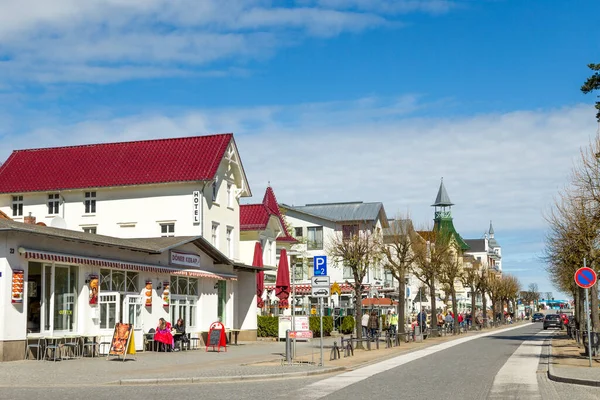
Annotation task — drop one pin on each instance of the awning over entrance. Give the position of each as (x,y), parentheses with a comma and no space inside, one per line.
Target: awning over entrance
(41,255)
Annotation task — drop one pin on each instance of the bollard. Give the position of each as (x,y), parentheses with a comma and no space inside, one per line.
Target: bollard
(288,347)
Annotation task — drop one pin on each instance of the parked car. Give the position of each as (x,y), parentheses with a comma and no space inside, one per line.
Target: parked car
(553,321)
(537,317)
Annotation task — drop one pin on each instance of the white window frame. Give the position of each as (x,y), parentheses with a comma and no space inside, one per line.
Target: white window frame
(90,229)
(53,203)
(214,234)
(230,241)
(167,229)
(137,303)
(105,299)
(309,244)
(17,206)
(90,203)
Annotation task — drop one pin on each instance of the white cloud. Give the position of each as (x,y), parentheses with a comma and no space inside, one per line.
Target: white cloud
(109,40)
(504,167)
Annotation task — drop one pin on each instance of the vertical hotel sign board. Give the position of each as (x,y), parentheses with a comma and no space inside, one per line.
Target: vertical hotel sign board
(122,341)
(196,207)
(17,287)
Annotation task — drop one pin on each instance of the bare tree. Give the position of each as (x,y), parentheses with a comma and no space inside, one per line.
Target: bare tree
(398,258)
(469,278)
(359,252)
(431,253)
(450,273)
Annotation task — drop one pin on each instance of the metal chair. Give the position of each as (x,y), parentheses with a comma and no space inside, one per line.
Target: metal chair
(149,339)
(39,348)
(71,345)
(55,347)
(91,344)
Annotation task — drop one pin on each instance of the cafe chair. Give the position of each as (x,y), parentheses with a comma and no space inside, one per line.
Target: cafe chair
(91,345)
(37,346)
(54,348)
(149,339)
(71,346)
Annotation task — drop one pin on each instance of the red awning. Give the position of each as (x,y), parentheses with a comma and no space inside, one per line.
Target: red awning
(125,265)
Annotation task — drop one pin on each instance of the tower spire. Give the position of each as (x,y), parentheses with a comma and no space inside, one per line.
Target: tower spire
(491,231)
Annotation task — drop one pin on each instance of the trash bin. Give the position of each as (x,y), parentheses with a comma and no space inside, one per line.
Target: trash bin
(418,335)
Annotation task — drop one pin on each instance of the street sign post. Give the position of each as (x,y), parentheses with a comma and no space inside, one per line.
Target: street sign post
(320,281)
(320,265)
(586,278)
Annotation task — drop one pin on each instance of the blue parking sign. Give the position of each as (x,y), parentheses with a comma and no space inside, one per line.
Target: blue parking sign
(320,265)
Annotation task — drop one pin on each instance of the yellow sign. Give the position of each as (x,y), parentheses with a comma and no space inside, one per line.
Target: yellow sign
(131,347)
(313,311)
(335,288)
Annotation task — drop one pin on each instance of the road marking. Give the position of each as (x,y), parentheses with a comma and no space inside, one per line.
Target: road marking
(327,386)
(517,378)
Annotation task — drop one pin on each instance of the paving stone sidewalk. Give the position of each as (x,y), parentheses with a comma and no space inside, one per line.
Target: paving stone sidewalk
(569,364)
(249,360)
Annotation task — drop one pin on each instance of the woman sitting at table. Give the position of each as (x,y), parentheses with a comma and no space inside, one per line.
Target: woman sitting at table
(163,334)
(180,335)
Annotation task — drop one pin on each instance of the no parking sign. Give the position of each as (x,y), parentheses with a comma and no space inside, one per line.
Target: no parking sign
(585,277)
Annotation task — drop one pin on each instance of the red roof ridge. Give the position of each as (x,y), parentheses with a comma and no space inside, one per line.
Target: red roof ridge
(251,217)
(124,142)
(115,164)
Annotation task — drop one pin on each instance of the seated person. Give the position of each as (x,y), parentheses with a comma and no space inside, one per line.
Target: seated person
(163,334)
(180,334)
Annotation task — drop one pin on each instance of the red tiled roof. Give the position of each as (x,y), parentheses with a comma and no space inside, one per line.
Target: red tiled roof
(255,217)
(114,164)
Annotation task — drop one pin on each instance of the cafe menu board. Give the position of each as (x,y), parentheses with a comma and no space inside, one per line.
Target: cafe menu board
(17,286)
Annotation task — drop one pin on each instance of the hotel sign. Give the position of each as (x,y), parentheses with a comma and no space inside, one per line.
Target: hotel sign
(196,206)
(189,260)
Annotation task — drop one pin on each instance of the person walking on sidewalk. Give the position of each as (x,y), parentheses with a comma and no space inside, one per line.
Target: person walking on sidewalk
(422,320)
(373,324)
(365,325)
(393,321)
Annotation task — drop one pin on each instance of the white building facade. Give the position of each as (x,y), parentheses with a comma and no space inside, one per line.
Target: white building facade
(184,191)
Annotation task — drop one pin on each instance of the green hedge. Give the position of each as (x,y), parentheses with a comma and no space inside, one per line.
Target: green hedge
(314,323)
(347,325)
(268,326)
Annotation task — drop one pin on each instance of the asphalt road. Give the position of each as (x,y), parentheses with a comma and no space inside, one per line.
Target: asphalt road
(492,367)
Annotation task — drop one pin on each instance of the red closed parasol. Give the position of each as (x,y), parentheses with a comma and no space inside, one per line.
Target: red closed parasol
(282,285)
(260,276)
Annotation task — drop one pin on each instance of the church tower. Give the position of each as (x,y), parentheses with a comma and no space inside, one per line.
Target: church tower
(443,215)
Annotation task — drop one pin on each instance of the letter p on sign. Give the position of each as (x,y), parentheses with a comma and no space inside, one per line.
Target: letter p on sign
(320,265)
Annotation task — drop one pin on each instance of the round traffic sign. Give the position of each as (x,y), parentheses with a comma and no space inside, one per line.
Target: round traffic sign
(585,277)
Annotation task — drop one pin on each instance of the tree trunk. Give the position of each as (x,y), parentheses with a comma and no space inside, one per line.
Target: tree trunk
(484,311)
(577,310)
(454,309)
(401,305)
(432,301)
(358,314)
(473,303)
(594,305)
(502,310)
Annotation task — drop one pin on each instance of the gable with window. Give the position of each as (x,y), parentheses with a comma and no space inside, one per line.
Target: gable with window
(349,231)
(314,237)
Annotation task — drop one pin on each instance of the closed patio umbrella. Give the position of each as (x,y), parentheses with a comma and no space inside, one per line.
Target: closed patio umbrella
(257,261)
(282,285)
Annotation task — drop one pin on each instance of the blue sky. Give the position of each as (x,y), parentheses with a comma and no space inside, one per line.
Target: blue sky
(484,93)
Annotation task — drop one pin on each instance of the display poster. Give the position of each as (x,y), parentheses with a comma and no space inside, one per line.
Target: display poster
(17,286)
(166,294)
(93,286)
(148,293)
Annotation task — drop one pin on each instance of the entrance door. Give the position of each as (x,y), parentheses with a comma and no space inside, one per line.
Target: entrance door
(34,297)
(110,312)
(132,314)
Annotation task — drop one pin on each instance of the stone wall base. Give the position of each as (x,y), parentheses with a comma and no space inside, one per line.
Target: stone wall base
(12,350)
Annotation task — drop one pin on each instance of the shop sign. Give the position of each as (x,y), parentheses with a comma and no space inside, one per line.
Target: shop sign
(196,206)
(189,260)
